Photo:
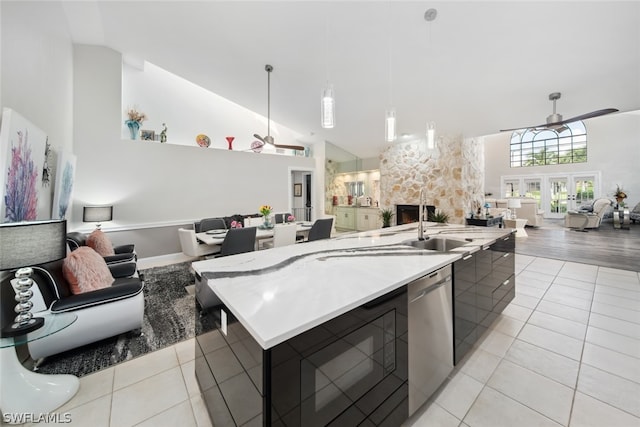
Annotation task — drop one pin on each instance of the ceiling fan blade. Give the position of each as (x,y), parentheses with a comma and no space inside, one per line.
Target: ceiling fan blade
(290,147)
(585,116)
(255,135)
(521,127)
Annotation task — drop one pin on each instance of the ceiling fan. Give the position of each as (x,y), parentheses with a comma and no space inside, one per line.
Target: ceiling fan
(555,122)
(269,139)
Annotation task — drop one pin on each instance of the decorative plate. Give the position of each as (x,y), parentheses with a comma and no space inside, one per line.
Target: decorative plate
(256,146)
(203,140)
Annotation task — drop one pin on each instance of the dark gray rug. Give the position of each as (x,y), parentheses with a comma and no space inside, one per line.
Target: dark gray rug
(169,317)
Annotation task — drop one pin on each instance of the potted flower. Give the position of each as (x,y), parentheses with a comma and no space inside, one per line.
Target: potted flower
(290,218)
(265,211)
(620,195)
(386,215)
(135,119)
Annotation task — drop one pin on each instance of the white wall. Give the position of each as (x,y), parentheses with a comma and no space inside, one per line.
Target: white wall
(612,148)
(151,183)
(36,77)
(189,110)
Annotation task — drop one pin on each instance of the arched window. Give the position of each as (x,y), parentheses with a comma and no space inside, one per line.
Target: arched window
(545,146)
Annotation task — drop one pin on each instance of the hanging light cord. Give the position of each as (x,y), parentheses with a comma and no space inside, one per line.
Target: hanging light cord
(269,68)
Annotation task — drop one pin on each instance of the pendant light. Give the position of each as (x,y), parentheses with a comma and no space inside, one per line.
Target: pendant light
(327,107)
(327,99)
(431,135)
(390,131)
(390,125)
(429,16)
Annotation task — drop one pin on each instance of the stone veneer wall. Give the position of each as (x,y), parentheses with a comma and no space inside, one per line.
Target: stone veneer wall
(452,175)
(334,185)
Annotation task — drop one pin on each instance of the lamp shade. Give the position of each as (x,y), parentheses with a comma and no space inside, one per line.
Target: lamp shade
(513,203)
(97,213)
(24,244)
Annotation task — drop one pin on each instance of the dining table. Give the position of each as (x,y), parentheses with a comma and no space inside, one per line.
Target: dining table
(216,237)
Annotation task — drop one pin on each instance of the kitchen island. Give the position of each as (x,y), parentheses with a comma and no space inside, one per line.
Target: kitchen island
(315,333)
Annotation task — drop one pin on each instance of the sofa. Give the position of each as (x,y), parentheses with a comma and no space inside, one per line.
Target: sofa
(529,209)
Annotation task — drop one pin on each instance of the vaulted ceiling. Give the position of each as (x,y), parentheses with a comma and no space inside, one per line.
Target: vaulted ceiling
(477,68)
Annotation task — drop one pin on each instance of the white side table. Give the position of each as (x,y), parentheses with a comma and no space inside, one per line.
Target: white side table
(23,391)
(518,224)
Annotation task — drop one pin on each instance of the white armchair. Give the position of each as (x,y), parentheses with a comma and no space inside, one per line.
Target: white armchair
(584,219)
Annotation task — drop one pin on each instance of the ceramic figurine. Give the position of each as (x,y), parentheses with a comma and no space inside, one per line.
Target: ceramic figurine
(163,134)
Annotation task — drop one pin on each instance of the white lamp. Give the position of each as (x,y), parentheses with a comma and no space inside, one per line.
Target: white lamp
(97,214)
(513,203)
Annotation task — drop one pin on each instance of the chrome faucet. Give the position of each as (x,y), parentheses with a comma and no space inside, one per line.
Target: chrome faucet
(421,216)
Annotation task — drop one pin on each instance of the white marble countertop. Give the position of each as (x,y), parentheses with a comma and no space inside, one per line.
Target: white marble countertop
(279,293)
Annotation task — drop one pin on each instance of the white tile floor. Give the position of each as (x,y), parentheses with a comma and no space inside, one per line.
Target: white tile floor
(565,352)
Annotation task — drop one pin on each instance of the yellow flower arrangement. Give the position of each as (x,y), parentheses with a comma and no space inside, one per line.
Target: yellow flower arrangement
(265,210)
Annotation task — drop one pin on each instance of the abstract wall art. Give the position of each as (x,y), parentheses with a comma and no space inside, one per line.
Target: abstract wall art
(65,175)
(25,195)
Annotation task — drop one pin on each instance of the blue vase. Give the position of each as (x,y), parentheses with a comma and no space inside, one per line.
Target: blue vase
(134,128)
(267,222)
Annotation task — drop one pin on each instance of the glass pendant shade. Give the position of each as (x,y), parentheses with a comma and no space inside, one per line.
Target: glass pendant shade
(390,125)
(328,108)
(431,135)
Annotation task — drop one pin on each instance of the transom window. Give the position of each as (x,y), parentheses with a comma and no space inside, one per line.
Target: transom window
(538,147)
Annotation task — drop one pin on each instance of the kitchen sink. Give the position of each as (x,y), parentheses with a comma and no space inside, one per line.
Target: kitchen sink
(441,244)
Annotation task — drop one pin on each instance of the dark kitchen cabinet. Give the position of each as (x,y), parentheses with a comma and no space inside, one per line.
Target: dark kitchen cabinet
(483,285)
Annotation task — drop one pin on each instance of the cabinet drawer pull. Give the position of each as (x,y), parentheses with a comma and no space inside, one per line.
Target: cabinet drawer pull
(467,257)
(505,283)
(484,248)
(506,255)
(506,238)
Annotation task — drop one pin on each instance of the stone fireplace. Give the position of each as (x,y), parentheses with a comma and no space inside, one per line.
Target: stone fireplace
(451,175)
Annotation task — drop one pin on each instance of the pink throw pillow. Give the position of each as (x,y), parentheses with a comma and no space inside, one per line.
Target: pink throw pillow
(100,243)
(86,270)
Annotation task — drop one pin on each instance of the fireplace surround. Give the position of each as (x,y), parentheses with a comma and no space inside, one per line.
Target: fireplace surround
(406,214)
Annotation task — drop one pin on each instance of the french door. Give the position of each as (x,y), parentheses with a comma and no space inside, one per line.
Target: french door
(555,193)
(569,192)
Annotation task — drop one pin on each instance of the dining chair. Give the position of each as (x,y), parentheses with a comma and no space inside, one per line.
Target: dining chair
(191,247)
(253,221)
(212,224)
(282,217)
(321,229)
(238,240)
(283,235)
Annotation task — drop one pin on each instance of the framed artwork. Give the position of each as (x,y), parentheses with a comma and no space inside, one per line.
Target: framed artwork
(65,176)
(297,190)
(24,179)
(147,135)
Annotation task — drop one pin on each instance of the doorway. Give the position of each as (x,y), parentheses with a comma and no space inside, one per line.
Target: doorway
(555,193)
(301,201)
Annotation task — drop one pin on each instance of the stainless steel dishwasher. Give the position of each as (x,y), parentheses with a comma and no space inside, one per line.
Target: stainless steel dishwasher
(430,335)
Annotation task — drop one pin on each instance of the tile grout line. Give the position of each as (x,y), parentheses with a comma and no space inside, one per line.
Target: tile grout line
(584,341)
